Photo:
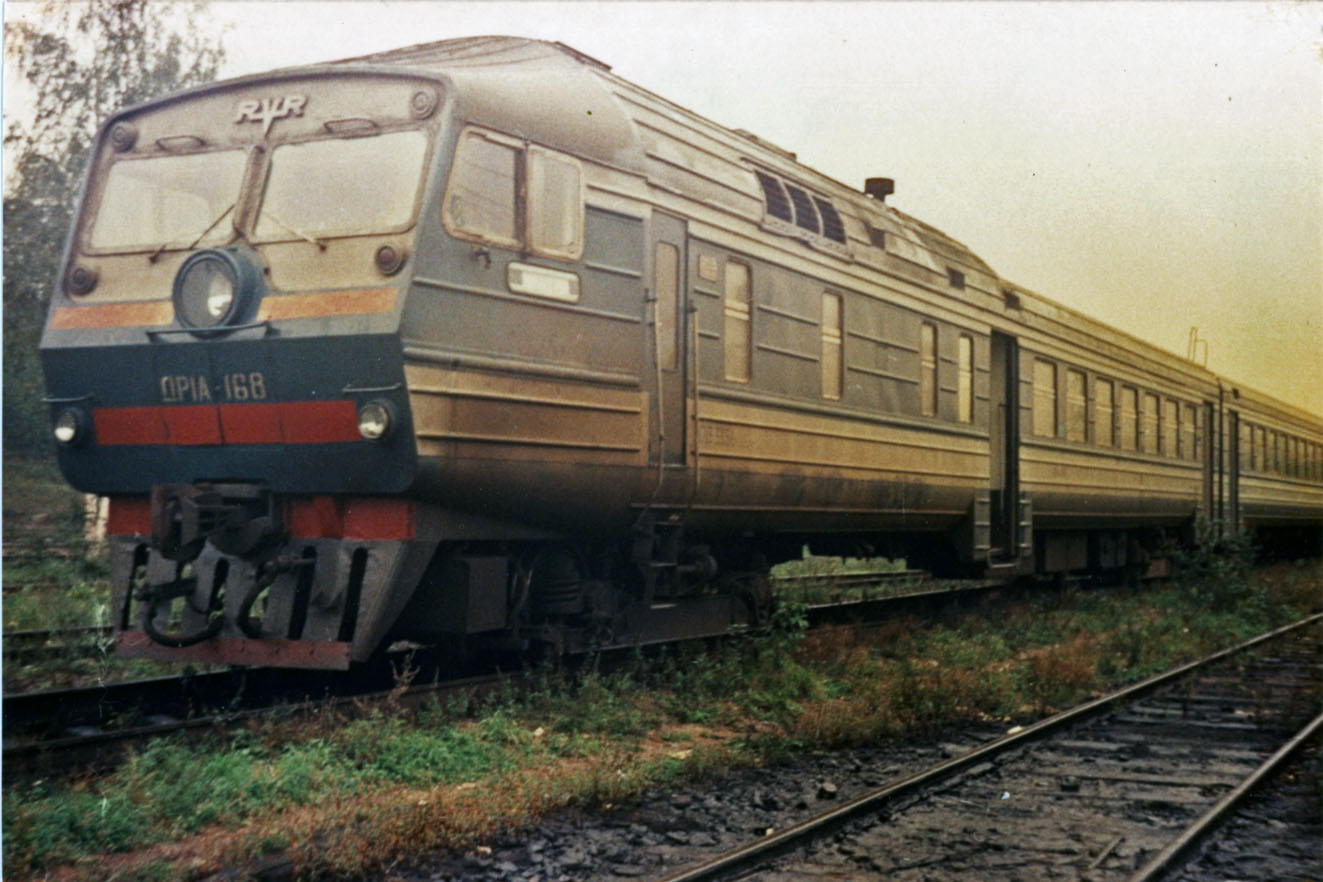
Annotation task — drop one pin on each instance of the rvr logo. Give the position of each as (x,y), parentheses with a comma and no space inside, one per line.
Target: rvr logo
(268,110)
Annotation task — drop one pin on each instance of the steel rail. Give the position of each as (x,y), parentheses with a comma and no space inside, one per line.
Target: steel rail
(36,635)
(66,708)
(32,643)
(1206,822)
(28,708)
(25,753)
(765,848)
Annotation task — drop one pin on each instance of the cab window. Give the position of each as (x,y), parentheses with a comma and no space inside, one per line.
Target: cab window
(162,201)
(507,192)
(343,186)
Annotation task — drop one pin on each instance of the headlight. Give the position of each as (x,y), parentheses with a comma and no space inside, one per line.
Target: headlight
(70,427)
(213,287)
(375,420)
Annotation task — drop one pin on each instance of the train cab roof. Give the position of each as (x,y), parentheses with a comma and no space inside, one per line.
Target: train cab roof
(568,100)
(547,90)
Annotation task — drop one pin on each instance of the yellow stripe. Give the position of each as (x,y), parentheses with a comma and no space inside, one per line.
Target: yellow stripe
(327,303)
(154,313)
(113,315)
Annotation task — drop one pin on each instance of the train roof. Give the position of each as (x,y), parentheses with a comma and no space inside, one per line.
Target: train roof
(568,99)
(556,95)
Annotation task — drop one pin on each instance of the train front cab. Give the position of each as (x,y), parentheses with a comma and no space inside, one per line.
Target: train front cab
(222,359)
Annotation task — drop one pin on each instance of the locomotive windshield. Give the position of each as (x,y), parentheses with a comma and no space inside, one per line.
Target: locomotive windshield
(342,187)
(167,201)
(326,187)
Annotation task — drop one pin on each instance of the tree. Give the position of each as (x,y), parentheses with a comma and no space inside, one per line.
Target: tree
(81,61)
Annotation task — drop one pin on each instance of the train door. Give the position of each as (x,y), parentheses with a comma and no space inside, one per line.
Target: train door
(1004,448)
(669,296)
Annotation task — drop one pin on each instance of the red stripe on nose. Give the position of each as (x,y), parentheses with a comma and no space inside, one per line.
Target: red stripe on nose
(290,422)
(192,425)
(129,425)
(319,422)
(251,423)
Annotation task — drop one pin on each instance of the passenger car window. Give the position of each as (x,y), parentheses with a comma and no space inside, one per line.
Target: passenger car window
(737,342)
(1103,428)
(965,381)
(928,369)
(1170,427)
(1045,398)
(1150,435)
(1077,406)
(832,335)
(1129,420)
(1189,427)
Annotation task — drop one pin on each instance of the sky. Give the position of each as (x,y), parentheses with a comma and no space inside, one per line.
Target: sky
(1158,166)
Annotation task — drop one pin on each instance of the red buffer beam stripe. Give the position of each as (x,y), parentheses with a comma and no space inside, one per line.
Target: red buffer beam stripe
(286,422)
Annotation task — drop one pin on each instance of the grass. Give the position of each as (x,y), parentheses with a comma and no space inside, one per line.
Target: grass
(350,798)
(397,784)
(55,578)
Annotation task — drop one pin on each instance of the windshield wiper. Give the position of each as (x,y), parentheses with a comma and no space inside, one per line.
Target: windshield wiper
(151,258)
(266,212)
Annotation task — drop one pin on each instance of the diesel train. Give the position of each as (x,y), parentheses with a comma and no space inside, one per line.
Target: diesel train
(477,343)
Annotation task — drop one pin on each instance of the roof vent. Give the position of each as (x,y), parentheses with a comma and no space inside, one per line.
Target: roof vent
(879,188)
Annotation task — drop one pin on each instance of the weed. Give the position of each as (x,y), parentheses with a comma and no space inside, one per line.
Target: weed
(1059,675)
(396,784)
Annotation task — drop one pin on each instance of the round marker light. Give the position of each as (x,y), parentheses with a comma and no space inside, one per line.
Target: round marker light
(374,421)
(69,427)
(213,287)
(80,280)
(389,259)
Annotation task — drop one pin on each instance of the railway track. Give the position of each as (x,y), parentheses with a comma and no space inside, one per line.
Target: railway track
(90,726)
(1119,788)
(33,644)
(1274,834)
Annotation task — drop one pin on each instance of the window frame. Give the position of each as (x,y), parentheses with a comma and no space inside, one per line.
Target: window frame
(575,252)
(91,212)
(1150,421)
(1128,440)
(929,389)
(1077,404)
(1045,399)
(524,206)
(1104,429)
(832,348)
(666,305)
(1169,427)
(741,313)
(965,378)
